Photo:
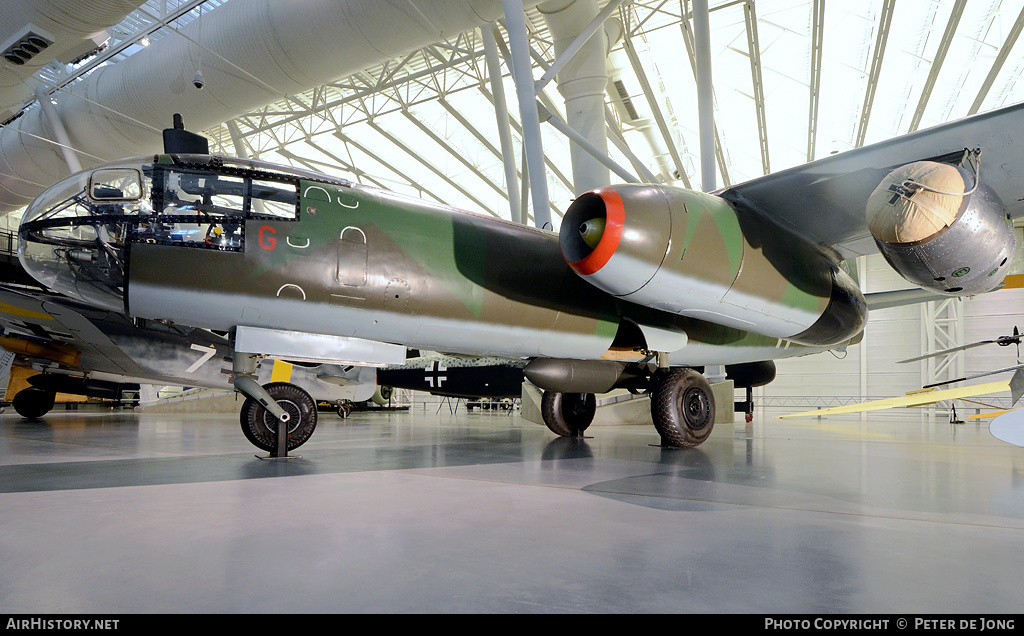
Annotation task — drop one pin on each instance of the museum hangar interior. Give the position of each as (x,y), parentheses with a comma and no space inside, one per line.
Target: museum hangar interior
(464,142)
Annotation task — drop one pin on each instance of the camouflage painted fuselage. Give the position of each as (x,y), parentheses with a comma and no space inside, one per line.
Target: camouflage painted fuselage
(344,260)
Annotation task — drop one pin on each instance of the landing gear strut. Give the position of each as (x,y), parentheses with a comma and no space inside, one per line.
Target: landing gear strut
(747,405)
(344,408)
(277,417)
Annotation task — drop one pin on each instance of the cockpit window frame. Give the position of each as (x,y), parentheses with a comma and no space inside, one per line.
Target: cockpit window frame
(248,174)
(90,189)
(242,188)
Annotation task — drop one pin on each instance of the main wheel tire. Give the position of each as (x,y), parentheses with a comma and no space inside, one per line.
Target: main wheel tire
(33,403)
(568,414)
(682,407)
(260,427)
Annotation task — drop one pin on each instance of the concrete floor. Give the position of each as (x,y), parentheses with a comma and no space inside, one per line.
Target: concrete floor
(483,512)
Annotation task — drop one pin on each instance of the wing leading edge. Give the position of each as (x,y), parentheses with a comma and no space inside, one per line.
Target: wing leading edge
(825,200)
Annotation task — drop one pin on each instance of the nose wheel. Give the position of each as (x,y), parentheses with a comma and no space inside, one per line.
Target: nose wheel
(260,426)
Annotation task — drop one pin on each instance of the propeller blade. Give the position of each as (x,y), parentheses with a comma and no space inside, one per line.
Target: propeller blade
(1019,376)
(945,351)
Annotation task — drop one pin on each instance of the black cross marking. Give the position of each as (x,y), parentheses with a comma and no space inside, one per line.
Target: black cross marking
(433,374)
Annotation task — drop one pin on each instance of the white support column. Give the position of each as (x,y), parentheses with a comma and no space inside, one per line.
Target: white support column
(586,145)
(236,140)
(581,46)
(508,155)
(578,43)
(705,108)
(522,73)
(941,329)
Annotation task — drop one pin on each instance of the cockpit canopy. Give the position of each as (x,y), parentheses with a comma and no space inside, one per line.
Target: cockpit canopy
(75,237)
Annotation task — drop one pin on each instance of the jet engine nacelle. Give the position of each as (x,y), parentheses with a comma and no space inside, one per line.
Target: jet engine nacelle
(691,254)
(941,228)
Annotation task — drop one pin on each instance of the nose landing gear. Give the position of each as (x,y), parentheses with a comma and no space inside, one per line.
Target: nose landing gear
(263,429)
(278,417)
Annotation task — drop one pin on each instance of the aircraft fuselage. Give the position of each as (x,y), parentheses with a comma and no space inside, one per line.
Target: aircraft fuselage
(220,244)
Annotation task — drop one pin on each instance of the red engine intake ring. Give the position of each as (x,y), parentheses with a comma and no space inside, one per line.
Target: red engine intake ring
(615,217)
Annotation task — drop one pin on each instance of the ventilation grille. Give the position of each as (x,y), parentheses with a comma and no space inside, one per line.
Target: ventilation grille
(627,103)
(26,46)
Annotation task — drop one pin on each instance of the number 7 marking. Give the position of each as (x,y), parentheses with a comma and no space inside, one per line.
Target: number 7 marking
(208,353)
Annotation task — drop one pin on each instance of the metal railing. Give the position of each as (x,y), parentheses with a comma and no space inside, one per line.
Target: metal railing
(8,242)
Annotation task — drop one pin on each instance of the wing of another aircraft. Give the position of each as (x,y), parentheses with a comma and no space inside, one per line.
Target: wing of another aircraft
(1009,427)
(39,319)
(457,376)
(825,200)
(67,337)
(915,399)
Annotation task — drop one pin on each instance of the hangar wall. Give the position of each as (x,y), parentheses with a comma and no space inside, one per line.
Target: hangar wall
(870,369)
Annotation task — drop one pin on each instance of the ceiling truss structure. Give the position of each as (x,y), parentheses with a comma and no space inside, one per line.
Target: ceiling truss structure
(425,123)
(436,123)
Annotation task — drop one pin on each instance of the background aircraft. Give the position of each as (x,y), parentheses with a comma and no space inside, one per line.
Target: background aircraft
(642,283)
(1002,341)
(456,376)
(928,395)
(79,350)
(1015,386)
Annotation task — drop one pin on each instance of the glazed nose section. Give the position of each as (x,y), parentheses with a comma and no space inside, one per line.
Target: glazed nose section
(72,237)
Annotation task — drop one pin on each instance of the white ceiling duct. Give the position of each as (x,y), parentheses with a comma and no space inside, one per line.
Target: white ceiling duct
(582,83)
(67,29)
(249,53)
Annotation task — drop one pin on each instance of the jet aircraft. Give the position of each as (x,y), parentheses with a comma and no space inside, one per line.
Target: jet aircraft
(641,283)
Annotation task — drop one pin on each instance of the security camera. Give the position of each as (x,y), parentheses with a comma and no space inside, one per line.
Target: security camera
(197,80)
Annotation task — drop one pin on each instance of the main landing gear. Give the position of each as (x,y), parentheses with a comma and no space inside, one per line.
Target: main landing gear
(568,414)
(682,407)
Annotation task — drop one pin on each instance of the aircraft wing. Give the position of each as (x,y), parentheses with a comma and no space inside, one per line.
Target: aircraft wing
(1009,427)
(54,331)
(81,339)
(916,399)
(825,200)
